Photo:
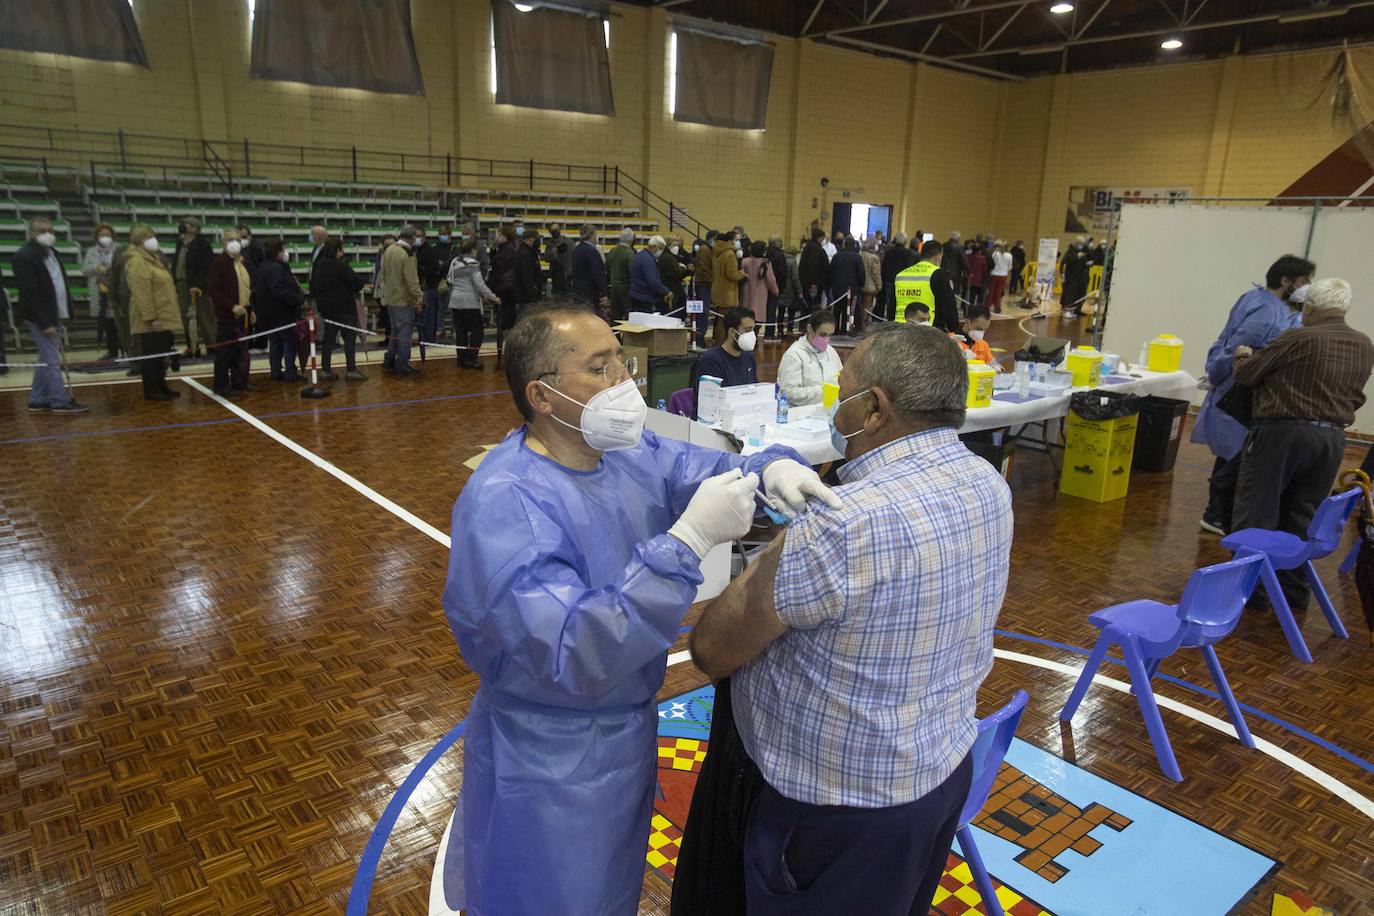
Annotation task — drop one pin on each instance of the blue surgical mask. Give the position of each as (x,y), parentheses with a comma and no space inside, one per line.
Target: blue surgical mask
(443,238)
(519,230)
(840,440)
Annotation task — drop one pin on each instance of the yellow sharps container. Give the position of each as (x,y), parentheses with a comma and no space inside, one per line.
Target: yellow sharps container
(1166,353)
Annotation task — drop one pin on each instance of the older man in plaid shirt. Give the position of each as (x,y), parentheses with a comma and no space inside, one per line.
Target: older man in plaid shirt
(857,642)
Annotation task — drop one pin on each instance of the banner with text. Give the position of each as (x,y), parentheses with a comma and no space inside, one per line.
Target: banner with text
(1090,209)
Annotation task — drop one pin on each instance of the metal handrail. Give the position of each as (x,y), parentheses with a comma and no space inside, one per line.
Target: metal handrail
(652,200)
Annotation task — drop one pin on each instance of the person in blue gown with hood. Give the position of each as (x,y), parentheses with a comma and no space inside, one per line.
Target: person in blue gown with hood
(577,547)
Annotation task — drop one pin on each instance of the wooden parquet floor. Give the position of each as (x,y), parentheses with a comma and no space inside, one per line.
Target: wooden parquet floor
(217,662)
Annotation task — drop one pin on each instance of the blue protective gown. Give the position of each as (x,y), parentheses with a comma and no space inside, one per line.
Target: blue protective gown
(565,592)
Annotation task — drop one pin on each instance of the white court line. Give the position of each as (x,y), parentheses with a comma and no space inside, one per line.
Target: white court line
(1333,785)
(404,515)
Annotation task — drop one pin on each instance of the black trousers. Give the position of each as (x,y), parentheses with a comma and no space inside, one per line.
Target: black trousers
(154,371)
(802,859)
(469,330)
(1221,492)
(331,337)
(227,368)
(1287,469)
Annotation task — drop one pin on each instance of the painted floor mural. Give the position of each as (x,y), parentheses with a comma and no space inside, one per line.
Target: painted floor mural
(1055,838)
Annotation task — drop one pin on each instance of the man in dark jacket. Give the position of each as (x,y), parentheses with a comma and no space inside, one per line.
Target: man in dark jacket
(1018,266)
(846,283)
(589,272)
(432,261)
(558,252)
(277,298)
(502,283)
(252,249)
(777,259)
(44,303)
(1077,260)
(814,271)
(955,264)
(190,269)
(672,270)
(896,259)
(529,278)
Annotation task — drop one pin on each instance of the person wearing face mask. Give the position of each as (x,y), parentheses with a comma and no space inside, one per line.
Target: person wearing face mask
(703,272)
(402,296)
(589,272)
(567,616)
(1257,317)
(971,339)
(190,269)
(760,283)
(673,270)
(229,288)
(96,268)
(927,283)
(153,310)
(647,292)
(726,276)
(277,298)
(1077,260)
(810,362)
(44,303)
(854,652)
(337,287)
(733,361)
(432,262)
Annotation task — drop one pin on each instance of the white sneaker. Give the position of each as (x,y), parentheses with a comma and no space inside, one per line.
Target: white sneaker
(1213,529)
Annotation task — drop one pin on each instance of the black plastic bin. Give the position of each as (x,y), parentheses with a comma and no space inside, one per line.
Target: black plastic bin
(1158,433)
(996,446)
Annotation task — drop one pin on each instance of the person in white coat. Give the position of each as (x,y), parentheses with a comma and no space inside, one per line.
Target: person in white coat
(810,362)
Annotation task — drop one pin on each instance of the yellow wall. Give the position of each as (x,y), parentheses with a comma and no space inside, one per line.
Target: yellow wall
(948,151)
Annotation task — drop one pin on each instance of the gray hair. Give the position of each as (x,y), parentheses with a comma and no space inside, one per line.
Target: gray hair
(922,371)
(534,347)
(774,241)
(1331,294)
(627,236)
(588,232)
(657,242)
(407,232)
(899,238)
(956,235)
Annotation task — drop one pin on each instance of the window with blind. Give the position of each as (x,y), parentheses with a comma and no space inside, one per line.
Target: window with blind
(362,44)
(551,57)
(720,81)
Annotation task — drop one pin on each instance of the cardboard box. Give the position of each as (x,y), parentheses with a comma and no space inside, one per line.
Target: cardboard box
(642,370)
(658,341)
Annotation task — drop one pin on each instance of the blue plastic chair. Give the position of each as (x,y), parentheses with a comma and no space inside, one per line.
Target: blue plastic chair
(989,748)
(1150,631)
(1349,562)
(1282,550)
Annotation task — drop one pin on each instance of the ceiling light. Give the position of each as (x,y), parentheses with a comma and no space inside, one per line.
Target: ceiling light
(1062,8)
(1171,44)
(524,8)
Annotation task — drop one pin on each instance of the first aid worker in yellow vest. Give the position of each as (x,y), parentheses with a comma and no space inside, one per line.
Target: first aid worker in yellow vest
(925,282)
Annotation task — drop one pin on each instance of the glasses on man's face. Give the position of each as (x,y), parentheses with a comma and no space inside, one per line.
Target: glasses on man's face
(611,372)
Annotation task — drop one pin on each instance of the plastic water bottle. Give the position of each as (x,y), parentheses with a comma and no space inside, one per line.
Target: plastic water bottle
(662,404)
(782,409)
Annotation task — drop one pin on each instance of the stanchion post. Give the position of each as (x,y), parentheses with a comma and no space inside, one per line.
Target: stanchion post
(314,389)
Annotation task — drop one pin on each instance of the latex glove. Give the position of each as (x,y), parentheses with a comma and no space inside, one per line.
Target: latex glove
(721,511)
(793,483)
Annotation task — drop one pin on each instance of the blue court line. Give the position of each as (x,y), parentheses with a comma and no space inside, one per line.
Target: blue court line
(372,853)
(285,413)
(1179,682)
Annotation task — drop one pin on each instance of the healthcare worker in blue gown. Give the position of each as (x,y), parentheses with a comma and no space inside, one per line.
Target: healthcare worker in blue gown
(577,547)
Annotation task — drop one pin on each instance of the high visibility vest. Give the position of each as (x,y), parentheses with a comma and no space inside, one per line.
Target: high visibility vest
(913,285)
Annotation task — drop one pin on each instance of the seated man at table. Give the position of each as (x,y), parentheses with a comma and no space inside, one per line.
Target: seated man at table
(922,313)
(733,361)
(854,646)
(971,335)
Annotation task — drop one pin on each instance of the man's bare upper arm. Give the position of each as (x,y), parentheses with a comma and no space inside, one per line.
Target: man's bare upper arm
(742,620)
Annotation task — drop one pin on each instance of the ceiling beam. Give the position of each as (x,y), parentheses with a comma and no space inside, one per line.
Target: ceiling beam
(1147,33)
(1189,17)
(1170,10)
(928,58)
(908,20)
(876,10)
(815,10)
(1009,20)
(1091,19)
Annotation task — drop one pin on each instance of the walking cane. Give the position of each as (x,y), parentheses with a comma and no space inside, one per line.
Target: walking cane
(66,371)
(199,338)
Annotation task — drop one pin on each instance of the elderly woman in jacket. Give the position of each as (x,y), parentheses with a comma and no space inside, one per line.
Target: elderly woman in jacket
(228,287)
(96,266)
(873,281)
(335,286)
(153,309)
(759,281)
(810,362)
(725,273)
(466,293)
(278,298)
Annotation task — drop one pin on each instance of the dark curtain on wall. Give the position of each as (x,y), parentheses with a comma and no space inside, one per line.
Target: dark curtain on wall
(98,29)
(364,44)
(722,82)
(552,58)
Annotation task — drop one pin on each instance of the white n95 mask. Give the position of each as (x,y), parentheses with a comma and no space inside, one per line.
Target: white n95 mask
(747,341)
(613,419)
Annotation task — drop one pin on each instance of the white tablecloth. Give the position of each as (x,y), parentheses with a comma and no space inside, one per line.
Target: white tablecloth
(999,414)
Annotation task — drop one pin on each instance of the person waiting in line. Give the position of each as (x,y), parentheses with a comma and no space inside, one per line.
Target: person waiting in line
(1075,286)
(336,288)
(502,281)
(1307,385)
(814,271)
(931,286)
(977,272)
(897,258)
(466,293)
(810,362)
(954,262)
(774,312)
(873,282)
(568,620)
(229,288)
(790,292)
(383,316)
(45,302)
(760,283)
(647,291)
(252,249)
(673,270)
(703,272)
(726,277)
(153,310)
(529,276)
(431,264)
(1000,272)
(278,297)
(95,266)
(618,272)
(846,810)
(1018,268)
(846,283)
(733,361)
(589,282)
(1261,314)
(190,266)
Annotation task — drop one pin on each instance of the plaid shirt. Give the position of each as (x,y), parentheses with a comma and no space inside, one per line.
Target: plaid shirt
(868,699)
